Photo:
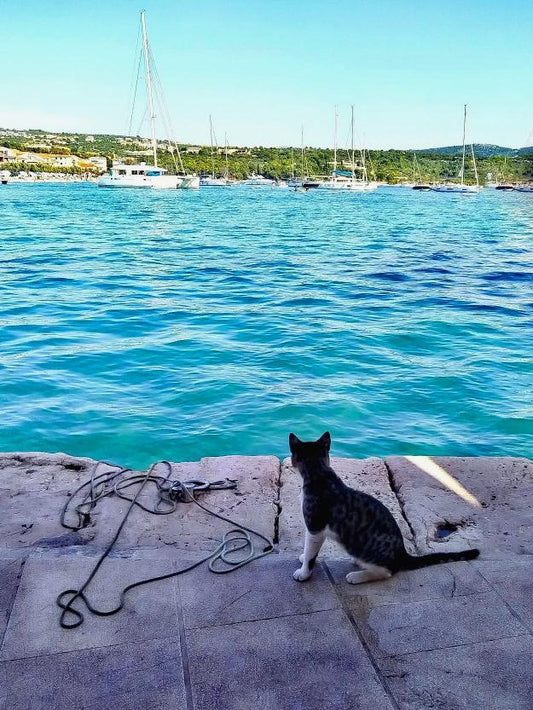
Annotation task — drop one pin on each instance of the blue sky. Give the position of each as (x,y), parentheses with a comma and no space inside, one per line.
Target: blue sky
(262,69)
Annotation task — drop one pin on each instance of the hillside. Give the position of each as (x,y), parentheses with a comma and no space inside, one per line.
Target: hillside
(482,150)
(433,164)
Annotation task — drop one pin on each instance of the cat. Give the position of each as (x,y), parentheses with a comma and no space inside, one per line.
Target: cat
(358,521)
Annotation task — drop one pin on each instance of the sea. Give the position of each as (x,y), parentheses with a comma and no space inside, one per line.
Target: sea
(141,325)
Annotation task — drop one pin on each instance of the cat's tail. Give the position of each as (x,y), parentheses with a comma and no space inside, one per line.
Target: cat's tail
(436,558)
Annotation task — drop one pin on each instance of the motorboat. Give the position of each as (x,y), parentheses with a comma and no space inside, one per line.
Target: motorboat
(258,181)
(148,176)
(453,187)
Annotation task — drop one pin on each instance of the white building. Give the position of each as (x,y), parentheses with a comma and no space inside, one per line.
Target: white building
(7,155)
(99,162)
(65,161)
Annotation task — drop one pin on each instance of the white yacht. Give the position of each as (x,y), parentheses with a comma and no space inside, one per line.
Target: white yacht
(524,188)
(210,181)
(143,175)
(462,187)
(258,181)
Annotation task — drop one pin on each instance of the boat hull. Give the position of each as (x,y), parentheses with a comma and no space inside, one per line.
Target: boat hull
(153,182)
(458,189)
(354,186)
(214,182)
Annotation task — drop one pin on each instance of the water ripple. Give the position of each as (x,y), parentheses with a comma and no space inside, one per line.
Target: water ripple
(140,325)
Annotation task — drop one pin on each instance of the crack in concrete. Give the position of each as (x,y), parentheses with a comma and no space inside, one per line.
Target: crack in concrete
(396,491)
(277,505)
(185,665)
(12,600)
(453,645)
(512,611)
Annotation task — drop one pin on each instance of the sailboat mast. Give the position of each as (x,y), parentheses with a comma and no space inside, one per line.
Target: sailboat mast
(475,165)
(149,85)
(353,152)
(211,141)
(335,144)
(226,155)
(464,138)
(303,155)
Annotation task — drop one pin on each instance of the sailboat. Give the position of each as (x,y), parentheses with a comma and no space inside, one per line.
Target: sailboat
(143,175)
(304,182)
(418,183)
(212,180)
(462,187)
(347,180)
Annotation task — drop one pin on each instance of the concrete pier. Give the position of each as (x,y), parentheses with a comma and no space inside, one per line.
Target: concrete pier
(450,637)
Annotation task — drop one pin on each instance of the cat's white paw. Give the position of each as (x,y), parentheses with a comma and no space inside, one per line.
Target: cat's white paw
(357,577)
(302,558)
(300,575)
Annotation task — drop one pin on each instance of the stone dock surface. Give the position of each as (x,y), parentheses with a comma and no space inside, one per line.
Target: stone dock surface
(455,636)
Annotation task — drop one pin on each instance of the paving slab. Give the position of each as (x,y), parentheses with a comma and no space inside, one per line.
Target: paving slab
(368,475)
(497,517)
(252,504)
(455,579)
(261,590)
(494,675)
(132,676)
(150,612)
(442,636)
(10,573)
(304,662)
(394,629)
(512,580)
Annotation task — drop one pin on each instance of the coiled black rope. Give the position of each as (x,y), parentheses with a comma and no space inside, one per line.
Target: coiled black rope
(223,559)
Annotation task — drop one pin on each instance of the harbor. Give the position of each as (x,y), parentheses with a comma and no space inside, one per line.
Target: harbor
(184,318)
(266,276)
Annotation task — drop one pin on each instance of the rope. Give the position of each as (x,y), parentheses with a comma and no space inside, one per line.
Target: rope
(221,560)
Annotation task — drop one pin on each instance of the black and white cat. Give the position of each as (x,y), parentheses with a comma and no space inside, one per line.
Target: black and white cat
(358,521)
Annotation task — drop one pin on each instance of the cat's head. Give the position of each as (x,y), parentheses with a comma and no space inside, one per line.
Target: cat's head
(305,452)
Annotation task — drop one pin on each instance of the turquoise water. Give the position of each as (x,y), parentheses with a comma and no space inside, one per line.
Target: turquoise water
(141,325)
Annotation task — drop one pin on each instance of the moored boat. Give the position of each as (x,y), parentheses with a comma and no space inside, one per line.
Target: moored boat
(258,181)
(142,175)
(453,187)
(462,187)
(213,180)
(147,176)
(344,179)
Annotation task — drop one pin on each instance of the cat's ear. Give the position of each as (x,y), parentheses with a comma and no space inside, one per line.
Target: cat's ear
(325,440)
(293,442)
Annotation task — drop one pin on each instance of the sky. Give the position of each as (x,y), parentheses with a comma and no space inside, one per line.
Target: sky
(264,69)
